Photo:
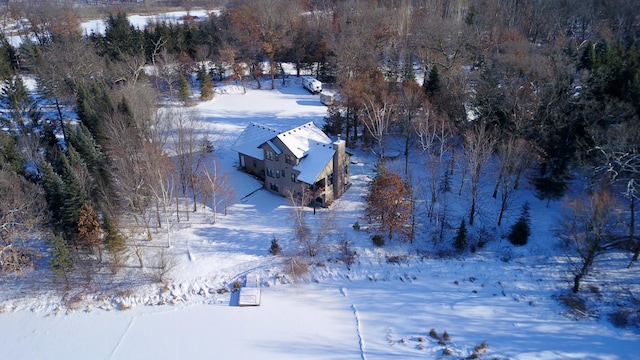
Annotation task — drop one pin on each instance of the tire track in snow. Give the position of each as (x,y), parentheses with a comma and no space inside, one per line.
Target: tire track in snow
(344,293)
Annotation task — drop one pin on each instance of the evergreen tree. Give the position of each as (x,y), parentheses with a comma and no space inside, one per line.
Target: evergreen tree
(206,84)
(61,261)
(550,187)
(520,231)
(7,59)
(86,111)
(588,58)
(53,186)
(81,140)
(432,83)
(275,248)
(184,92)
(19,103)
(460,241)
(114,241)
(74,198)
(10,155)
(334,121)
(121,38)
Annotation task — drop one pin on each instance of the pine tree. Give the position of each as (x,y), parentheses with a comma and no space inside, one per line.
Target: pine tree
(61,261)
(432,83)
(460,241)
(10,156)
(19,103)
(588,58)
(275,248)
(520,231)
(184,93)
(206,91)
(52,185)
(114,241)
(7,59)
(74,198)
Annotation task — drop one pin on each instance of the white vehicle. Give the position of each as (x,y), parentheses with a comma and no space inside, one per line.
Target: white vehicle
(312,84)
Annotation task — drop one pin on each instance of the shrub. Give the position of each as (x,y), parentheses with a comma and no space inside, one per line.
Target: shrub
(297,267)
(378,240)
(481,348)
(484,236)
(520,231)
(356,226)
(237,285)
(576,305)
(347,254)
(275,248)
(396,259)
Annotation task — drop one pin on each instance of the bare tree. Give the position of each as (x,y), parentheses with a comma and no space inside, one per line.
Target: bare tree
(515,156)
(588,228)
(435,135)
(410,105)
(217,187)
(238,68)
(478,146)
(379,111)
(301,230)
(619,162)
(190,148)
(21,216)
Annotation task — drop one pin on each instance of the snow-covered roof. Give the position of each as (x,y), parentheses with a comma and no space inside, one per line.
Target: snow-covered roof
(299,140)
(312,165)
(307,142)
(252,138)
(275,148)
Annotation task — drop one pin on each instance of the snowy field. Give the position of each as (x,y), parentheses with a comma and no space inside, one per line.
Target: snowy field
(376,310)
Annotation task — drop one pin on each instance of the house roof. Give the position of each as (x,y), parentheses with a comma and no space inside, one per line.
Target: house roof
(307,142)
(299,140)
(311,166)
(252,138)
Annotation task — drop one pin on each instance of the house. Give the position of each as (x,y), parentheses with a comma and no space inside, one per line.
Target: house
(302,161)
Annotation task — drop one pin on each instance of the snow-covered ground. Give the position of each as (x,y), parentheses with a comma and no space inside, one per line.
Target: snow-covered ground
(18,30)
(376,310)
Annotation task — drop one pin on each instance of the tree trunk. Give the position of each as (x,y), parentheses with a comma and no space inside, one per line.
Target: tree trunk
(64,132)
(632,227)
(473,210)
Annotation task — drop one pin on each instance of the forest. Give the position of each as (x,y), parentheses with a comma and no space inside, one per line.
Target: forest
(547,89)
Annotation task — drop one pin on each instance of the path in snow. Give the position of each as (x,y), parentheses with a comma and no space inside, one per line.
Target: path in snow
(344,293)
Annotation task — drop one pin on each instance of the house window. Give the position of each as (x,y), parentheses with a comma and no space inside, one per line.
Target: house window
(293,177)
(269,155)
(277,157)
(269,172)
(330,179)
(290,160)
(273,187)
(255,163)
(283,173)
(278,173)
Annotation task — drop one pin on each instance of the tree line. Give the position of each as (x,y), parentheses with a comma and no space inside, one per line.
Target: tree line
(547,90)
